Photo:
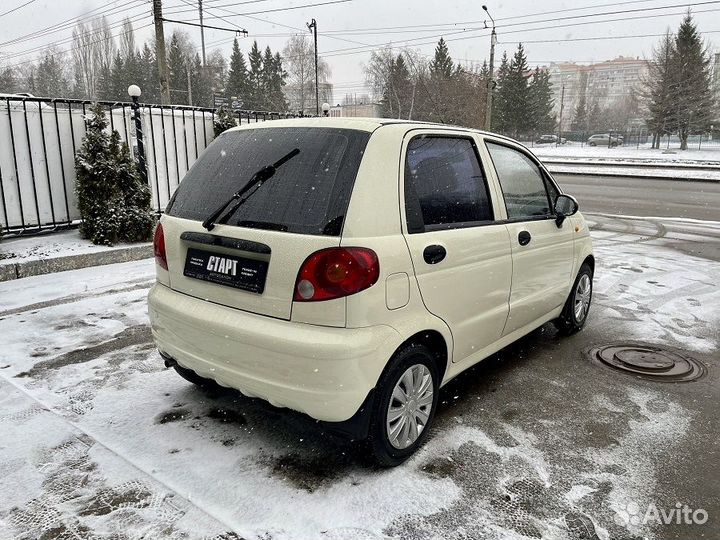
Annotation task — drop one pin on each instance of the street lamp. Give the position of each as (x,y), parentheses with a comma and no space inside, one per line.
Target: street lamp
(493,40)
(326,109)
(134,92)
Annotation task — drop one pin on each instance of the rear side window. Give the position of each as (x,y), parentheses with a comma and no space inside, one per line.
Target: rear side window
(445,186)
(521,181)
(308,195)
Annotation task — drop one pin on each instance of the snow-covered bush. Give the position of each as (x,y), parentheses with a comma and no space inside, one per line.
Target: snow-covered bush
(114,202)
(223,121)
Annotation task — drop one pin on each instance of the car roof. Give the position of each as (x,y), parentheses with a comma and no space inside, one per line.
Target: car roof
(360,123)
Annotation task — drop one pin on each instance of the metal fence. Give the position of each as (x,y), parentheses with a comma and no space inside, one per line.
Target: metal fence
(39,138)
(637,137)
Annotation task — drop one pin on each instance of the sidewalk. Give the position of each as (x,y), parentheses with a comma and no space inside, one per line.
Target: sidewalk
(59,251)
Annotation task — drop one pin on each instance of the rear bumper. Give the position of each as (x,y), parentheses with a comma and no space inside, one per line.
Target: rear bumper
(324,372)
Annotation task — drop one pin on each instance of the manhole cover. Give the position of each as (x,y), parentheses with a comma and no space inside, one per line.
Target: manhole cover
(649,362)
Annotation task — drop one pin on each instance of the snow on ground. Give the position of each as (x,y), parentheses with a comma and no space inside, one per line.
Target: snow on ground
(98,439)
(51,245)
(710,156)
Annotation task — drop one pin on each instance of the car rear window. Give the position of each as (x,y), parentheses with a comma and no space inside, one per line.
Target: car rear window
(308,195)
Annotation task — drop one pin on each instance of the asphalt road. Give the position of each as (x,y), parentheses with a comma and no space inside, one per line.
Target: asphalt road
(643,196)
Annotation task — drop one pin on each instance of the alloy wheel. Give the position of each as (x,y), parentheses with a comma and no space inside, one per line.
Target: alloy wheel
(410,406)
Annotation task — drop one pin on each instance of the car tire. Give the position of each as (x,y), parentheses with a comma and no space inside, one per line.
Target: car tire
(190,376)
(391,448)
(575,312)
(591,144)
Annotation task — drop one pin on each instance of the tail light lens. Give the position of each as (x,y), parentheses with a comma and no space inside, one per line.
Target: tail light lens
(336,272)
(159,246)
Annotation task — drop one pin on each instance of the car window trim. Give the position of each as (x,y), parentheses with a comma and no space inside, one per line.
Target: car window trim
(543,175)
(447,226)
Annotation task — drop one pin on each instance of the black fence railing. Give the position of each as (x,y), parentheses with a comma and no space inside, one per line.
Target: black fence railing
(40,136)
(636,137)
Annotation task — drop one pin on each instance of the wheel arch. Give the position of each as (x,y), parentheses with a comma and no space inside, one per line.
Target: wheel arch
(433,340)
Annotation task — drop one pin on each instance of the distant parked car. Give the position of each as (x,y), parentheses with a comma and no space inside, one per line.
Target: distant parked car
(550,139)
(605,139)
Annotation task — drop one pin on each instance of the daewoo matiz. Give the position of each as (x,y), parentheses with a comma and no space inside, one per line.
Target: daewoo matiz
(348,268)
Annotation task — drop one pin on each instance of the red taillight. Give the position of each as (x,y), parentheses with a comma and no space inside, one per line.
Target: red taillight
(159,246)
(336,272)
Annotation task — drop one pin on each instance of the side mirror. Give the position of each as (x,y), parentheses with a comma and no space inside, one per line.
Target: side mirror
(565,206)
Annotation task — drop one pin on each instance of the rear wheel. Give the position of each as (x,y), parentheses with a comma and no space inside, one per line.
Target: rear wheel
(575,312)
(405,406)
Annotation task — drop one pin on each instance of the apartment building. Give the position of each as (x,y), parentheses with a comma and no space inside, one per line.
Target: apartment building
(605,82)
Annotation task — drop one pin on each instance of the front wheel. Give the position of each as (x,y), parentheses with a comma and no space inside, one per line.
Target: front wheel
(405,405)
(577,306)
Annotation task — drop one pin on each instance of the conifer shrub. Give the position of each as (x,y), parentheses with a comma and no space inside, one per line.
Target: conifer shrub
(113,200)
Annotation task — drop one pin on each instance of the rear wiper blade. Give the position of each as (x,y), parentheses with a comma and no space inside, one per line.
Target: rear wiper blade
(257,180)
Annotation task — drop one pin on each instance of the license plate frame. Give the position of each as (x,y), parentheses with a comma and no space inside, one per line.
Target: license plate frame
(225,269)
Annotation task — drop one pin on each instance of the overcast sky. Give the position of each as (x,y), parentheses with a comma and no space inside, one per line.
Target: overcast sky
(358,25)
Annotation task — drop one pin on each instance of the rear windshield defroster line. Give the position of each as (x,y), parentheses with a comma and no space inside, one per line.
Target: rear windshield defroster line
(308,195)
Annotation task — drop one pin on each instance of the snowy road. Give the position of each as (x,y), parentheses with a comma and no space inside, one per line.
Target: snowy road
(630,196)
(98,440)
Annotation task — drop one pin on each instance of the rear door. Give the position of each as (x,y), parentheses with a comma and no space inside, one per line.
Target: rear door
(460,254)
(251,262)
(542,252)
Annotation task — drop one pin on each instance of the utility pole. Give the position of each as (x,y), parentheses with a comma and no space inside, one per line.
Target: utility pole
(202,33)
(491,83)
(160,52)
(312,26)
(562,106)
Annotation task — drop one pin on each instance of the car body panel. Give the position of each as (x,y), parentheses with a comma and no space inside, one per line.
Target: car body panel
(324,358)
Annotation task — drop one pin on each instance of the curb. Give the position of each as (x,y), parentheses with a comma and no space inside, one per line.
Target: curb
(39,267)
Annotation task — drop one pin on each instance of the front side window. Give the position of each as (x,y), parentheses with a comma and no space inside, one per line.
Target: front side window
(445,186)
(522,183)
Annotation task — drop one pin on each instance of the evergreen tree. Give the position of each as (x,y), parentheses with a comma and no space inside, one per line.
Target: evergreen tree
(113,201)
(276,84)
(501,102)
(119,79)
(580,118)
(223,121)
(237,82)
(200,83)
(255,79)
(7,81)
(515,95)
(49,78)
(397,100)
(177,72)
(442,65)
(148,74)
(691,82)
(542,104)
(103,89)
(595,116)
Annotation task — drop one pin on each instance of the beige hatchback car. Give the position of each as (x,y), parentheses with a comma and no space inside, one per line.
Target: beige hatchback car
(349,268)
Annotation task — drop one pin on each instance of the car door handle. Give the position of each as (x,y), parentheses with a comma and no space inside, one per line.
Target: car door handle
(434,254)
(524,238)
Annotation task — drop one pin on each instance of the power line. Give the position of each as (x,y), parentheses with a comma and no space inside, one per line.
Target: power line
(16,8)
(71,49)
(99,31)
(69,23)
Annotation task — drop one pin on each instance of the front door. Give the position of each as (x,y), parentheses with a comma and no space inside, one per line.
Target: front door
(542,252)
(461,255)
